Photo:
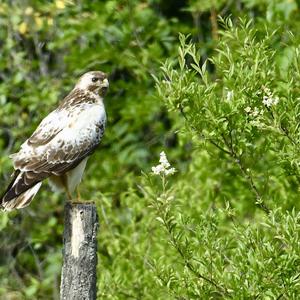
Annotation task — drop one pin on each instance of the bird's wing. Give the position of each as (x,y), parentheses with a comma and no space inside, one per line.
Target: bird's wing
(53,123)
(58,145)
(49,127)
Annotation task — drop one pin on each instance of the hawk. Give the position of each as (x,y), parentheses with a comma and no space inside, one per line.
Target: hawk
(60,146)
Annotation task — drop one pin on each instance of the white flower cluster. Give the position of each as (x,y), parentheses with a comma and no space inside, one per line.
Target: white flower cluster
(269,99)
(253,112)
(164,167)
(256,116)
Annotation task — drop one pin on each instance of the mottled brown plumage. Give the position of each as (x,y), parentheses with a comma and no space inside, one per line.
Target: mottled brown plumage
(59,147)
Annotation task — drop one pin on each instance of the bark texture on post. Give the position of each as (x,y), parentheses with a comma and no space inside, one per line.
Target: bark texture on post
(78,278)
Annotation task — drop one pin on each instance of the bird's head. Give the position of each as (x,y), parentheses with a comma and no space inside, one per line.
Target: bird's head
(94,81)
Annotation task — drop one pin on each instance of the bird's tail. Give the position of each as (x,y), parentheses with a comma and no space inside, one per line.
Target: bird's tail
(20,192)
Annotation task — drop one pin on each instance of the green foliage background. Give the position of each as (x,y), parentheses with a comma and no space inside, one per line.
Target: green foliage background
(187,78)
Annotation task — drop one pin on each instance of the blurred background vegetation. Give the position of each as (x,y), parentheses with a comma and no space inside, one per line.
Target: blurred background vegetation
(227,223)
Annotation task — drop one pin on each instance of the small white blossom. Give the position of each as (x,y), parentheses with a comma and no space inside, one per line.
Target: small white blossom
(163,160)
(267,90)
(229,95)
(158,169)
(170,171)
(256,123)
(255,112)
(164,167)
(269,99)
(248,109)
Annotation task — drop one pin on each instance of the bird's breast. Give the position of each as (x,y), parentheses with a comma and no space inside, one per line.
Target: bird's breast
(89,116)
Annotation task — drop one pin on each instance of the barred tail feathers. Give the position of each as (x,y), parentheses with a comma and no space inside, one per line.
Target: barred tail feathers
(20,191)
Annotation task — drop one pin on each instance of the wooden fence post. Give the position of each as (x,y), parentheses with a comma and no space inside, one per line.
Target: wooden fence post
(78,278)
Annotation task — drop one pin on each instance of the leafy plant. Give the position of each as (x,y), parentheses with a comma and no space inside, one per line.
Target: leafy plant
(223,106)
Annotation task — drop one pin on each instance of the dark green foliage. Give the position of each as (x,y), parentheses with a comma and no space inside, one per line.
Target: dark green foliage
(183,81)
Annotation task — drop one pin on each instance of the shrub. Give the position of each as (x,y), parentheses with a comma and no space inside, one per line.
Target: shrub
(224,108)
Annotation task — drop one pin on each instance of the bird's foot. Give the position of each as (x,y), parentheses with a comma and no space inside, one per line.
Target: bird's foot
(76,202)
(78,194)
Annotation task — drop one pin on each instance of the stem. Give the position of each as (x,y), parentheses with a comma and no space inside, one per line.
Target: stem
(237,159)
(283,129)
(219,147)
(201,136)
(187,263)
(214,23)
(163,212)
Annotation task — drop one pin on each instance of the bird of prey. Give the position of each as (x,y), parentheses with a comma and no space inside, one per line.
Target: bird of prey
(60,146)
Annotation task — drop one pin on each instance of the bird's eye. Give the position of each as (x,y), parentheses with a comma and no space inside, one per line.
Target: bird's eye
(94,79)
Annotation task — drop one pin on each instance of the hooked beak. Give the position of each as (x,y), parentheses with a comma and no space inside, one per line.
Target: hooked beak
(105,83)
(104,87)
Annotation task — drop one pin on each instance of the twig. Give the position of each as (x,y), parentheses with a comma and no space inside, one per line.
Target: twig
(231,152)
(42,62)
(283,129)
(201,136)
(37,261)
(188,263)
(214,23)
(163,214)
(237,159)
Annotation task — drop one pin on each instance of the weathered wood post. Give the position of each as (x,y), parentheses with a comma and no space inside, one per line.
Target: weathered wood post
(78,278)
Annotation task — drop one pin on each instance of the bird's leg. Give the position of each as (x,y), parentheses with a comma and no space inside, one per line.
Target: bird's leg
(65,184)
(78,193)
(69,195)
